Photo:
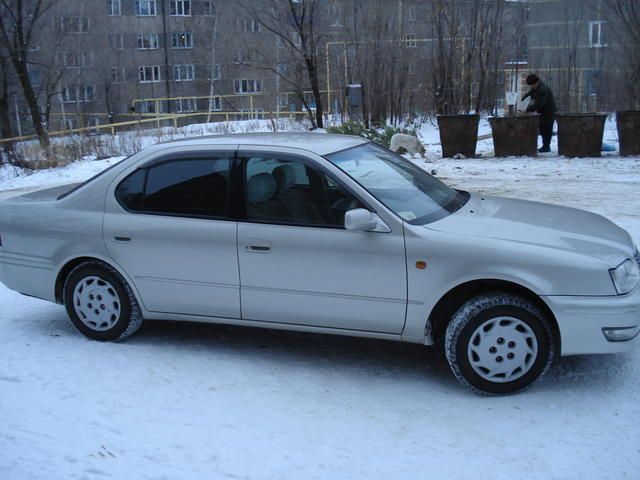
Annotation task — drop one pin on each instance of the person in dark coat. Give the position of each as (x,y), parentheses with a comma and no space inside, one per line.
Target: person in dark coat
(543,103)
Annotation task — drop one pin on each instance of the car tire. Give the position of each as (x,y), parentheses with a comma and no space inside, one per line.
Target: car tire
(499,343)
(100,303)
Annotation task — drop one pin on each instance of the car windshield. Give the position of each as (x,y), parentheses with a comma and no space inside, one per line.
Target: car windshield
(401,186)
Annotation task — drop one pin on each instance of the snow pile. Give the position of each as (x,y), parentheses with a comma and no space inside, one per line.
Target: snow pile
(73,173)
(129,142)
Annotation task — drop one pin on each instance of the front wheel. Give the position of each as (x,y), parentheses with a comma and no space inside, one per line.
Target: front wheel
(100,303)
(499,343)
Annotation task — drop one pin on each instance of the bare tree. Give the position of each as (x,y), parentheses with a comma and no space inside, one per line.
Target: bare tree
(625,20)
(5,115)
(467,54)
(50,73)
(212,73)
(379,52)
(298,25)
(19,24)
(488,36)
(447,72)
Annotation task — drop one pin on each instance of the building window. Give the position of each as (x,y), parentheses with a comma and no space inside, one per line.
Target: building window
(251,26)
(247,86)
(147,41)
(410,40)
(113,7)
(35,74)
(592,82)
(295,40)
(116,41)
(283,100)
(207,9)
(145,8)
(180,8)
(412,14)
(70,123)
(596,34)
(74,60)
(215,104)
(183,73)
(215,72)
(181,40)
(117,75)
(335,13)
(246,56)
(247,113)
(150,106)
(73,24)
(186,105)
(149,73)
(83,93)
(88,91)
(411,68)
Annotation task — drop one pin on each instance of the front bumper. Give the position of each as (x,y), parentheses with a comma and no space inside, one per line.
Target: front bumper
(581,321)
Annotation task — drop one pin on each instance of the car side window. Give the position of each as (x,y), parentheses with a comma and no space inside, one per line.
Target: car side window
(293,193)
(130,192)
(190,187)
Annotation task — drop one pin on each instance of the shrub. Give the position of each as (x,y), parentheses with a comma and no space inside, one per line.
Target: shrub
(379,136)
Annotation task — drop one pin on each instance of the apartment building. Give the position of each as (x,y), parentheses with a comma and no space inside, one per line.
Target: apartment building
(118,56)
(571,44)
(99,61)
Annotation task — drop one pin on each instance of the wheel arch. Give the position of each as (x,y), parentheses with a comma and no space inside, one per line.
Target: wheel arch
(441,314)
(68,266)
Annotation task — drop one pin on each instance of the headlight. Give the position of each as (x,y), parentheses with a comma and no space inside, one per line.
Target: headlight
(625,276)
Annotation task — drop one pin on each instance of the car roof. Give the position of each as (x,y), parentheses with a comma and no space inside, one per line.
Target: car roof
(319,143)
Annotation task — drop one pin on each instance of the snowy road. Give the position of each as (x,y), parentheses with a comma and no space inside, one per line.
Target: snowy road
(198,401)
(184,401)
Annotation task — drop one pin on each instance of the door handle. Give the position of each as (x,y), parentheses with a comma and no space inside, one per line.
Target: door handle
(260,246)
(122,237)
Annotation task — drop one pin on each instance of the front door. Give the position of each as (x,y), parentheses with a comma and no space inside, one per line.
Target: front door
(299,265)
(169,227)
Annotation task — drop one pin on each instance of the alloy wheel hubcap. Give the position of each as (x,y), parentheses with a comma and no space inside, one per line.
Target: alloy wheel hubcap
(502,349)
(96,303)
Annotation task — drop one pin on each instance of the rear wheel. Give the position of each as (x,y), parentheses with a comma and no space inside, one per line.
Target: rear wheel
(100,303)
(499,343)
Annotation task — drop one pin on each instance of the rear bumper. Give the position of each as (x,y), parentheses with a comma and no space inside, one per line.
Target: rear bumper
(27,274)
(582,320)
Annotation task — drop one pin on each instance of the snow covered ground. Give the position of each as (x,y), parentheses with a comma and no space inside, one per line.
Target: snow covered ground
(186,401)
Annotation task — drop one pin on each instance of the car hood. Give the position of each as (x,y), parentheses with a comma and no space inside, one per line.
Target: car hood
(540,224)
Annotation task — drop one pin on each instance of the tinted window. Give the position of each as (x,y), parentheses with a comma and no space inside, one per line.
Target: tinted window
(130,191)
(290,192)
(189,187)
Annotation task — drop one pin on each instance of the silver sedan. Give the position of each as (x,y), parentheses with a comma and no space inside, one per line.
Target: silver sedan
(330,234)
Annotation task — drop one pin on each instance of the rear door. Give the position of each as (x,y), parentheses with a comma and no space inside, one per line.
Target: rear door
(169,226)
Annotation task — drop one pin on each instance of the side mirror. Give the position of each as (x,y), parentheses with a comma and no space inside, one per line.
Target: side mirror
(362,220)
